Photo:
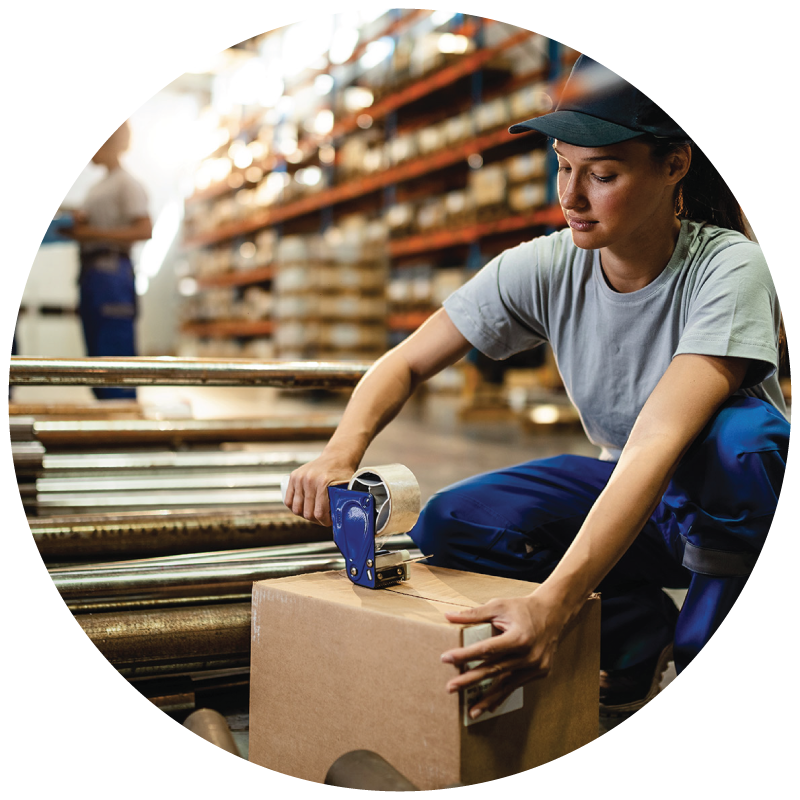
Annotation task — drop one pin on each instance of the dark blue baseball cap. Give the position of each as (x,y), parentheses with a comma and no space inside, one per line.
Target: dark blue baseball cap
(598,108)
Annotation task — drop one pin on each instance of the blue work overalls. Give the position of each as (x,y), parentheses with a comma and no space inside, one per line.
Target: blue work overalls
(704,536)
(108,310)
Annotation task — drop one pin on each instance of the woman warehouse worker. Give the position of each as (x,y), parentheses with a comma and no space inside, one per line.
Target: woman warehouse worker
(114,217)
(663,320)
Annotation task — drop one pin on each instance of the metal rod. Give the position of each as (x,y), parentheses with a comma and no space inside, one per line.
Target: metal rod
(156,533)
(28,456)
(396,542)
(148,642)
(187,579)
(97,433)
(183,372)
(144,602)
(201,580)
(125,501)
(100,410)
(89,463)
(146,481)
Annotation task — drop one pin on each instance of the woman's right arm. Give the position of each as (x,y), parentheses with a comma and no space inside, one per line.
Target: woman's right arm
(375,402)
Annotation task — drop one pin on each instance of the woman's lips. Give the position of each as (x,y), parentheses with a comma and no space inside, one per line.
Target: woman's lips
(581,224)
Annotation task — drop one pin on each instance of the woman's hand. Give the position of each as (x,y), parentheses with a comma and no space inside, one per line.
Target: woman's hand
(307,492)
(524,650)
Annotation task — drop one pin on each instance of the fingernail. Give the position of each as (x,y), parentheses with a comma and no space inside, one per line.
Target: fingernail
(475,713)
(446,659)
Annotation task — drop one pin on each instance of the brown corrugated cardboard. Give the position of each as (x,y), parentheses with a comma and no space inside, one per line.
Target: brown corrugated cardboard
(336,667)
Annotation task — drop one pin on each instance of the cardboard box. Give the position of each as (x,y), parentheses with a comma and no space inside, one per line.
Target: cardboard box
(336,667)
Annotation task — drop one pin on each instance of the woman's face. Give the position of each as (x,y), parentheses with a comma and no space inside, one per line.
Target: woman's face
(615,195)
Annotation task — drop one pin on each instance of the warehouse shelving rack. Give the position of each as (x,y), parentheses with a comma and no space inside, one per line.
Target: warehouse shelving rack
(385,185)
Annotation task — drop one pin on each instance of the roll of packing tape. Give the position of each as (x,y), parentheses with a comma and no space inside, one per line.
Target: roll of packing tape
(284,486)
(396,493)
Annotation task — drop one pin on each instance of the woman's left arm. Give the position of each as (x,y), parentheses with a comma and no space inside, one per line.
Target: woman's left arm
(684,400)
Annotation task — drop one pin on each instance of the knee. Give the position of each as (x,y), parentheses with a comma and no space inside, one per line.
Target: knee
(744,426)
(734,470)
(432,530)
(746,438)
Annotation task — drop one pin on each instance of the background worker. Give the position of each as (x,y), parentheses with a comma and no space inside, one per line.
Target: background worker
(113,218)
(664,322)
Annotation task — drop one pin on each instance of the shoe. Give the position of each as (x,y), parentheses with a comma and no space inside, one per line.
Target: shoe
(623,691)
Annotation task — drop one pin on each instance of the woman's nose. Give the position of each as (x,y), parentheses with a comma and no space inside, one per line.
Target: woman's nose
(569,194)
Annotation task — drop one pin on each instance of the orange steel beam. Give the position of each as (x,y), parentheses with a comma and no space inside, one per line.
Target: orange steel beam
(234,327)
(471,233)
(444,77)
(415,91)
(238,278)
(352,189)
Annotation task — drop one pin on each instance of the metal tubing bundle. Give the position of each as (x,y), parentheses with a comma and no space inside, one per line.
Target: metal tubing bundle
(180,613)
(152,638)
(106,483)
(187,579)
(139,371)
(168,640)
(161,533)
(213,577)
(114,433)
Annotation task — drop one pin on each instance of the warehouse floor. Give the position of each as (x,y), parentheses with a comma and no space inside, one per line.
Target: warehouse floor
(428,437)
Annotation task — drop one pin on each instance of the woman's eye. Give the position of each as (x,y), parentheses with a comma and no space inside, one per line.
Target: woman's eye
(563,168)
(604,178)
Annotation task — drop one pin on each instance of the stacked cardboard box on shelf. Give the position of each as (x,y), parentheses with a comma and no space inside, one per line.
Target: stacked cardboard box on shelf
(271,158)
(330,293)
(366,152)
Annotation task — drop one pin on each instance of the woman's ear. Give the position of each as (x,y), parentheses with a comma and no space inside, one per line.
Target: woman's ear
(678,163)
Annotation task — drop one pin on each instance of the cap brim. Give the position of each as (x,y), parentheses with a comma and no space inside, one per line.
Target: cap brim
(581,130)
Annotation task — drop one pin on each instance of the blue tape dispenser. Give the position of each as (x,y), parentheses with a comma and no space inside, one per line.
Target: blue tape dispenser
(378,501)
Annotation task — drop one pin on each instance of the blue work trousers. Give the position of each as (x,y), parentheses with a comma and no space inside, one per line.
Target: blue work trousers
(704,536)
(108,311)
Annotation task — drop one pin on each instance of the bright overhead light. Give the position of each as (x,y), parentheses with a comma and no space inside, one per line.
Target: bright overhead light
(357,97)
(342,45)
(243,158)
(453,43)
(324,121)
(376,52)
(309,176)
(323,84)
(545,415)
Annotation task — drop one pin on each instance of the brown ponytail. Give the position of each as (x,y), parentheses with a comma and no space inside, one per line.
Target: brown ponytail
(703,196)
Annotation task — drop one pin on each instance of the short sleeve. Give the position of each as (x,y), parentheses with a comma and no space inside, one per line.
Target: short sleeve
(495,310)
(734,311)
(134,200)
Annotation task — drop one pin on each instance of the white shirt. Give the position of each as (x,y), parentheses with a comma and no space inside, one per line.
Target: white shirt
(116,201)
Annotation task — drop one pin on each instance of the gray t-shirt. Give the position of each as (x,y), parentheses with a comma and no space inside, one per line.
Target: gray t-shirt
(715,297)
(115,201)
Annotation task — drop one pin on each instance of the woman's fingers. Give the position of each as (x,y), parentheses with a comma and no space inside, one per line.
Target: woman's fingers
(502,687)
(307,492)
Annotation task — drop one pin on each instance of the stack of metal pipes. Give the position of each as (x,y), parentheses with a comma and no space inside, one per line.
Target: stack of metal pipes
(154,530)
